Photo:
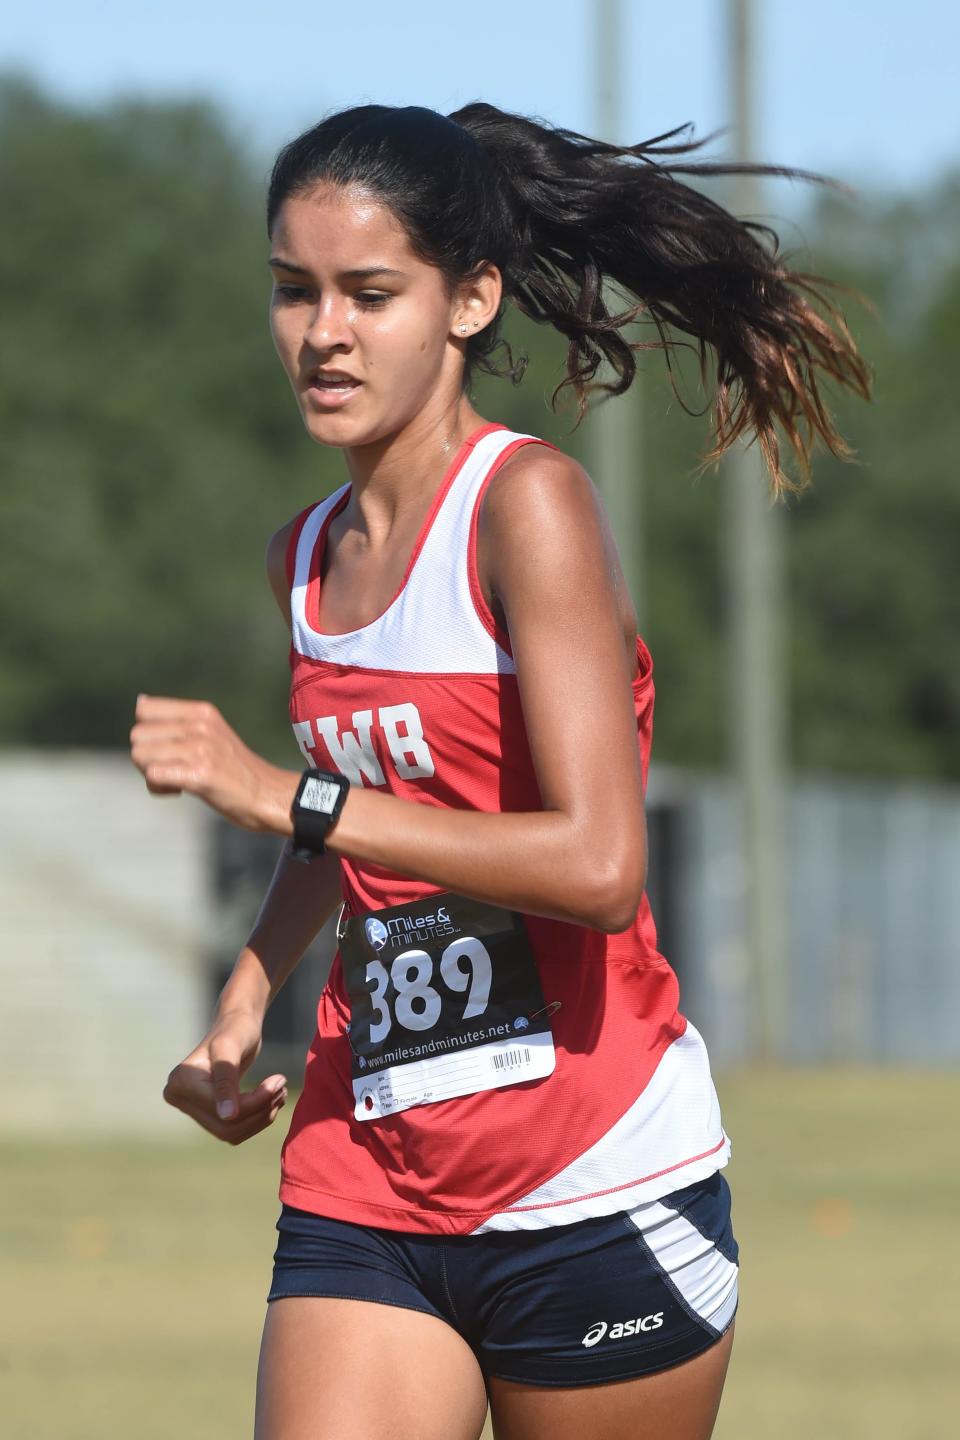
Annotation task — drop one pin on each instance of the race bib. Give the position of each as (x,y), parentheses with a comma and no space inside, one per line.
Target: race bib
(445,1000)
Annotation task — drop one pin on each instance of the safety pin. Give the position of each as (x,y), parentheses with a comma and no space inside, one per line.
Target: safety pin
(346,1031)
(547,1010)
(341,933)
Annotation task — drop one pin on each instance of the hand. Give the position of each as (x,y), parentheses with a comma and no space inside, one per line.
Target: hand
(187,745)
(206,1085)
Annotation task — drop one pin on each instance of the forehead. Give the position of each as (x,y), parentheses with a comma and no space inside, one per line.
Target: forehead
(338,227)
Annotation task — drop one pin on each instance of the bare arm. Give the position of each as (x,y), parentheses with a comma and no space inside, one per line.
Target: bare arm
(582,857)
(206,1085)
(299,902)
(300,898)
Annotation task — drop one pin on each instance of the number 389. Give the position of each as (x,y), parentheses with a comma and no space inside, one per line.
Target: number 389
(417,1003)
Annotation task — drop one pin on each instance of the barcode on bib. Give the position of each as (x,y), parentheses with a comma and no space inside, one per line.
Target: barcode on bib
(443,1077)
(513,1057)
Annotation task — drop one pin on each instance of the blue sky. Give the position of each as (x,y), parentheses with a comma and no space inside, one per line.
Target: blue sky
(865,90)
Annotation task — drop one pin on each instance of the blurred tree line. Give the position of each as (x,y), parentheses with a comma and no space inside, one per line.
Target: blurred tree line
(149,446)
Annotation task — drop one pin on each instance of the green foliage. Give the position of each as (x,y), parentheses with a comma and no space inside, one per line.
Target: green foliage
(149,446)
(875,612)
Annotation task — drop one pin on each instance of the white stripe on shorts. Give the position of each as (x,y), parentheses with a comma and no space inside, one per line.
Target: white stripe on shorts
(705,1280)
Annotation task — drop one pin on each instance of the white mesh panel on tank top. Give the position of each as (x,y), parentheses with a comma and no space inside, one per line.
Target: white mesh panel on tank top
(432,626)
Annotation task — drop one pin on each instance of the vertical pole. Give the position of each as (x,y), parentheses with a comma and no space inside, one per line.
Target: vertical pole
(757,715)
(612,431)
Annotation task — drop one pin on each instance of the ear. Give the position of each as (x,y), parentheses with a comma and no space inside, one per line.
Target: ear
(476,301)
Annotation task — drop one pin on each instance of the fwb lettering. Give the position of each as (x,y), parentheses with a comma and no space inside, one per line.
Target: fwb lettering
(352,751)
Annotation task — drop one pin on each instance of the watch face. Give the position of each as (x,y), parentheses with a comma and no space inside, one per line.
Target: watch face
(319,795)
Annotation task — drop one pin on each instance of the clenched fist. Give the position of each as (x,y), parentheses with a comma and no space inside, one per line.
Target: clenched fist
(188,745)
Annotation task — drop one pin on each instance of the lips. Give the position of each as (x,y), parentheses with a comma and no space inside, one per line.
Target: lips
(332,379)
(331,389)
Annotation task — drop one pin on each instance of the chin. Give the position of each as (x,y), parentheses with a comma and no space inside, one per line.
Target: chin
(340,430)
(334,429)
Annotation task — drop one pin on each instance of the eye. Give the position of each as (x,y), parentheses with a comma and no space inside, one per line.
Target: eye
(290,292)
(371,298)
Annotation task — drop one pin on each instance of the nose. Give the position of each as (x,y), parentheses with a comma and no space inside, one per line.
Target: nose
(329,327)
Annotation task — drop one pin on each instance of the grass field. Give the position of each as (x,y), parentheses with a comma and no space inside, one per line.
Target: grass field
(134,1275)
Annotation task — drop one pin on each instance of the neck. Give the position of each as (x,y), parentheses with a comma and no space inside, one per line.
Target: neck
(396,477)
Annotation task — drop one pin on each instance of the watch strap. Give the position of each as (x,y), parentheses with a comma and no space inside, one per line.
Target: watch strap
(316,806)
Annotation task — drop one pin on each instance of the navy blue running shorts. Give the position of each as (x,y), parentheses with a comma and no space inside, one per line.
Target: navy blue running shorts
(582,1304)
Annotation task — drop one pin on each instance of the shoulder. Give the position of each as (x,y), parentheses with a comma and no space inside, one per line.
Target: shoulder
(538,484)
(276,561)
(543,525)
(542,508)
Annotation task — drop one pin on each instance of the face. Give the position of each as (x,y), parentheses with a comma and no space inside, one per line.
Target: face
(351,298)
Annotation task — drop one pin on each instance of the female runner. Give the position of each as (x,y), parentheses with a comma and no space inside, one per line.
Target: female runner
(503,1178)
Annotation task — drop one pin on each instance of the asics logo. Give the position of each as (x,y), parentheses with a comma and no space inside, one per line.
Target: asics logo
(623,1328)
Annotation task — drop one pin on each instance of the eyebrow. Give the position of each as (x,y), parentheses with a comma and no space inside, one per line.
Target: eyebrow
(364,273)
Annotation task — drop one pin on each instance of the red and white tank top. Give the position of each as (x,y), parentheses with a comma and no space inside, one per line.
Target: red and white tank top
(423,702)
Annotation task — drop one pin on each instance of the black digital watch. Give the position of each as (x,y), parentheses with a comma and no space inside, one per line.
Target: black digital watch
(319,799)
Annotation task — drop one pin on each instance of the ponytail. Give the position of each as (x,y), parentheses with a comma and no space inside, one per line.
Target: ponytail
(587,213)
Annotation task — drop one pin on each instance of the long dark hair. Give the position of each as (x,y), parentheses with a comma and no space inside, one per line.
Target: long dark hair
(560,214)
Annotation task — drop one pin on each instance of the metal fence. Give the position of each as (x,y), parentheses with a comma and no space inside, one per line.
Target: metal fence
(873,964)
